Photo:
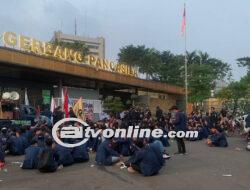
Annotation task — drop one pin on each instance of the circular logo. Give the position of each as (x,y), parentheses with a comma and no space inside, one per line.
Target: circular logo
(69,132)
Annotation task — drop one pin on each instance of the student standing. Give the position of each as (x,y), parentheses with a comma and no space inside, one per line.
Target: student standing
(180,124)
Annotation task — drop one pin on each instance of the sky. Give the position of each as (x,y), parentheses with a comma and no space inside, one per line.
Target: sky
(219,27)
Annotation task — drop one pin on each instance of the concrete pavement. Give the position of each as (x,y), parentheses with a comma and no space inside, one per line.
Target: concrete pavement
(201,169)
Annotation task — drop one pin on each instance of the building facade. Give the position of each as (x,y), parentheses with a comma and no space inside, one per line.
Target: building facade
(96,45)
(40,70)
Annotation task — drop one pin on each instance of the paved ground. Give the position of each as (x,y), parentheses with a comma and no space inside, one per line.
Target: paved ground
(201,169)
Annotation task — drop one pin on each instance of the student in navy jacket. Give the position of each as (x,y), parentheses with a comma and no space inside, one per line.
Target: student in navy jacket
(218,138)
(147,160)
(124,146)
(47,164)
(158,149)
(17,144)
(31,156)
(180,124)
(2,155)
(105,155)
(80,153)
(28,133)
(63,155)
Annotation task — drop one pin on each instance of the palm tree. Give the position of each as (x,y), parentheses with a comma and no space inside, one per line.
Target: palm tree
(204,57)
(192,57)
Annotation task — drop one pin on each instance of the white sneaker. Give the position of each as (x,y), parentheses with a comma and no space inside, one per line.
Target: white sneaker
(165,156)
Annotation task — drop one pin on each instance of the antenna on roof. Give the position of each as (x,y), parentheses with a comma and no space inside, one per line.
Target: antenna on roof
(85,22)
(61,25)
(75,26)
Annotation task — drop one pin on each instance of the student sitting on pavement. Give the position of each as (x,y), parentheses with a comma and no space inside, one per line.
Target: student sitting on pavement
(217,139)
(2,155)
(39,137)
(46,158)
(123,146)
(147,159)
(31,156)
(105,154)
(63,155)
(80,153)
(17,144)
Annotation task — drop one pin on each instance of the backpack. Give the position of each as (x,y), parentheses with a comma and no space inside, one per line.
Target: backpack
(45,159)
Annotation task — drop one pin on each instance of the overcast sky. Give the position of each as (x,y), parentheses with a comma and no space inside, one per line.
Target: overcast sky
(219,27)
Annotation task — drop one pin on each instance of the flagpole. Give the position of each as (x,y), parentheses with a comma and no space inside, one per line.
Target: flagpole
(186,69)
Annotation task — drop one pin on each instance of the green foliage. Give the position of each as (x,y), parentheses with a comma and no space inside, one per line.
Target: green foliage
(233,93)
(244,62)
(76,45)
(238,93)
(172,68)
(113,105)
(200,81)
(167,67)
(146,59)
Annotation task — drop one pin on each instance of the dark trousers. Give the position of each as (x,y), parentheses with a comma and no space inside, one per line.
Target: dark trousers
(181,145)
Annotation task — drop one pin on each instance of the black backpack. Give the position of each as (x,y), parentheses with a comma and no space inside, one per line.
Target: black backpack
(45,160)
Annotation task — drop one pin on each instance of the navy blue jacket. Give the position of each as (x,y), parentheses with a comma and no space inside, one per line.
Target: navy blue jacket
(104,153)
(1,155)
(219,140)
(63,155)
(149,161)
(1,151)
(80,153)
(52,165)
(124,146)
(17,145)
(247,120)
(158,149)
(93,143)
(180,121)
(28,135)
(31,157)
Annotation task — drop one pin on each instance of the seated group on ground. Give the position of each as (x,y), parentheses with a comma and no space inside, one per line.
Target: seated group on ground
(146,155)
(210,126)
(41,152)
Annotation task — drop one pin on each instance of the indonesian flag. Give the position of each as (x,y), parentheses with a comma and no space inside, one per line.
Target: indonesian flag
(183,24)
(66,103)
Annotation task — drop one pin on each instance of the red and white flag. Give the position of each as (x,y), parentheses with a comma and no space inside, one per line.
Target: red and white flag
(183,23)
(66,103)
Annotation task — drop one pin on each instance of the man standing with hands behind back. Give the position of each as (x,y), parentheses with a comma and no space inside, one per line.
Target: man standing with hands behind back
(179,120)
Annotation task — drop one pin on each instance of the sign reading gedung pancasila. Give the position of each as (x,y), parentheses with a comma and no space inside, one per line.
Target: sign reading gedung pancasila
(28,44)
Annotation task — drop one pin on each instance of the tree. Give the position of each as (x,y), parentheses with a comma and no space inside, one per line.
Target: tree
(172,68)
(244,62)
(76,45)
(200,80)
(113,105)
(165,66)
(233,92)
(146,59)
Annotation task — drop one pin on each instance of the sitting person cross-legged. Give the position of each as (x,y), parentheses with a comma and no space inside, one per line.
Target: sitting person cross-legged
(217,139)
(106,155)
(31,156)
(147,159)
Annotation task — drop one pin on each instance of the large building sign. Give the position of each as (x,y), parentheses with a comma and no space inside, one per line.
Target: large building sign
(24,43)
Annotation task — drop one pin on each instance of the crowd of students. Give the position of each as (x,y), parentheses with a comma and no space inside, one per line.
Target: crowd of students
(145,155)
(210,126)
